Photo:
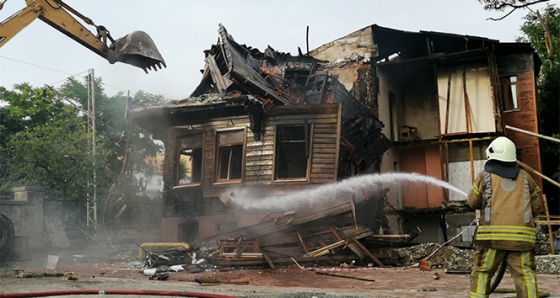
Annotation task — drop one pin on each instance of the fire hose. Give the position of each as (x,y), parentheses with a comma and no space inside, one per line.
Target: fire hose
(498,278)
(500,274)
(425,265)
(115,292)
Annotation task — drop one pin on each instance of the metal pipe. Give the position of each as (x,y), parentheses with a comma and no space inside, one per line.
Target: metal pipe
(533,134)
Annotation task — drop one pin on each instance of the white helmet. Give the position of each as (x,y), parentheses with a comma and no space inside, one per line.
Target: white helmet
(502,149)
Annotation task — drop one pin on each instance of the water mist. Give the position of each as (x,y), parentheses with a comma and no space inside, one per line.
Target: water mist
(354,185)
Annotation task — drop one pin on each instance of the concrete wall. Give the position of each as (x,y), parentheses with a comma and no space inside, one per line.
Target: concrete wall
(25,212)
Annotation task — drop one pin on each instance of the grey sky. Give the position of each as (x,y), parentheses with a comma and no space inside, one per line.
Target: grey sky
(182,30)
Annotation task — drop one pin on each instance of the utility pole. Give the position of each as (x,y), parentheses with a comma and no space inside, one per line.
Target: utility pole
(92,201)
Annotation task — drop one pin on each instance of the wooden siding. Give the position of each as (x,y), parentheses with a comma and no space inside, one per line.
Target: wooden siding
(258,168)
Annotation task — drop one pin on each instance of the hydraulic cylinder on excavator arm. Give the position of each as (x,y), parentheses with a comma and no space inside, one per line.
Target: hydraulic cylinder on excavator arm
(136,48)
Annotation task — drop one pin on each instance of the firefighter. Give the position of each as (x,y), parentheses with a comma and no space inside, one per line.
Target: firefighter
(508,200)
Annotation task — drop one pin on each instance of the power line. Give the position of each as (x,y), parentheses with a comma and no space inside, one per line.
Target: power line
(67,77)
(39,66)
(60,71)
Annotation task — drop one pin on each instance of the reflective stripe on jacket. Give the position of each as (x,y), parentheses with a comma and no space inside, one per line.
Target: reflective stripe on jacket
(508,211)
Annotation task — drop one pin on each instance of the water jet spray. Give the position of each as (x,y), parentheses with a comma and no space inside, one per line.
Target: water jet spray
(324,192)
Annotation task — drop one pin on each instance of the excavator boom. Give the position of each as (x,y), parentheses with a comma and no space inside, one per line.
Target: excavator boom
(136,48)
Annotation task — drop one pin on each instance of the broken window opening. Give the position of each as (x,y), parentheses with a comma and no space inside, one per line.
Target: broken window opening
(292,151)
(189,169)
(509,91)
(230,155)
(298,76)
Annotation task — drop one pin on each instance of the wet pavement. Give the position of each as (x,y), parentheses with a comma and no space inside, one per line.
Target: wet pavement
(291,281)
(97,268)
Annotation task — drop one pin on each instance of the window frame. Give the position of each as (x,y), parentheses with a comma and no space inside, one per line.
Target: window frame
(218,153)
(510,93)
(180,149)
(308,127)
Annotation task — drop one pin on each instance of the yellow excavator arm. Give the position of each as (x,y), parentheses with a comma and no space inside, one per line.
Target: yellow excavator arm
(136,48)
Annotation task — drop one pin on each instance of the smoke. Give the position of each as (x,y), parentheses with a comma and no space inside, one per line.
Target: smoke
(355,185)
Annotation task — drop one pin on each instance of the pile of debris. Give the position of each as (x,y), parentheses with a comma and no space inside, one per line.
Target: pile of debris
(330,234)
(327,233)
(457,259)
(447,257)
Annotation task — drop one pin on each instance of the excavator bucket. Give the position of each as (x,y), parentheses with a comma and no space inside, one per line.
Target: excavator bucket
(138,49)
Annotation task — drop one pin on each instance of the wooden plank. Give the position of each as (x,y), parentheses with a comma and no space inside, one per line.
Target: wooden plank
(258,168)
(326,130)
(318,212)
(322,175)
(373,257)
(260,153)
(322,161)
(357,250)
(292,252)
(323,180)
(358,232)
(268,260)
(324,250)
(324,150)
(257,165)
(331,142)
(216,74)
(322,166)
(343,276)
(213,281)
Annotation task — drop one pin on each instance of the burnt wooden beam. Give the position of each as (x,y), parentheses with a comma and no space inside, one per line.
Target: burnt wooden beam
(287,222)
(268,260)
(372,256)
(219,79)
(343,276)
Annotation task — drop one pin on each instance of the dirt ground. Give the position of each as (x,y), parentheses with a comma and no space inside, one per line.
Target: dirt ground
(88,271)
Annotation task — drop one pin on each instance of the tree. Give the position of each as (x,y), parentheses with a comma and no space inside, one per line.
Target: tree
(511,5)
(543,32)
(44,141)
(130,145)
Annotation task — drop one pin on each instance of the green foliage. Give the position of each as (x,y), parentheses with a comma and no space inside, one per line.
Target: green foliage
(46,141)
(183,170)
(535,34)
(57,156)
(43,142)
(548,82)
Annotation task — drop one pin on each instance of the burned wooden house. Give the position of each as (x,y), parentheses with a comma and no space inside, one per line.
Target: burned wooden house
(376,100)
(265,121)
(442,98)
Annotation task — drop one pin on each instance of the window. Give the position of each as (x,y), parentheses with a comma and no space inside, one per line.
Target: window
(230,155)
(509,91)
(189,167)
(292,152)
